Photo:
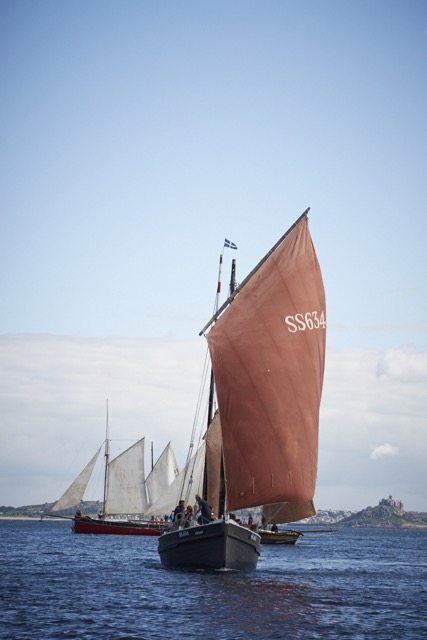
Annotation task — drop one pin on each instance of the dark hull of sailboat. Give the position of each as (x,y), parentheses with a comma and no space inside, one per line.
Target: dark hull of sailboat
(217,545)
(279,537)
(121,528)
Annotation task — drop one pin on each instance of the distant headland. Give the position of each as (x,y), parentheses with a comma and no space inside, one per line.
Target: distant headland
(389,513)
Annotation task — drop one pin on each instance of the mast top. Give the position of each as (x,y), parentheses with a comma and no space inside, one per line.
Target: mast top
(254,270)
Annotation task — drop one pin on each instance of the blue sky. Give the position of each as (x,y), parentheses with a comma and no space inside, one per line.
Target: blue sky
(135,137)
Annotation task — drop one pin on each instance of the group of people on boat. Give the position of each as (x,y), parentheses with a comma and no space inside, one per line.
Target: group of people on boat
(202,513)
(189,516)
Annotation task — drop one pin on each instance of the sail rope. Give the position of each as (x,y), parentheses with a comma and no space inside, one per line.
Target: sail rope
(196,421)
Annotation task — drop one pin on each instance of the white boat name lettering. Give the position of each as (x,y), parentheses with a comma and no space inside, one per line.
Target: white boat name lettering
(305,321)
(182,534)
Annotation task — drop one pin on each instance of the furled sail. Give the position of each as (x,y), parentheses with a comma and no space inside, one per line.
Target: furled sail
(187,483)
(162,474)
(126,482)
(75,492)
(268,354)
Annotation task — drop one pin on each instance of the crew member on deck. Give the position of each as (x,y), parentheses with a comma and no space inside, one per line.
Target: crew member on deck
(188,516)
(178,514)
(204,510)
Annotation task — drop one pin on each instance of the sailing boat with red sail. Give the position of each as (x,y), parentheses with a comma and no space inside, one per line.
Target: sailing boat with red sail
(267,347)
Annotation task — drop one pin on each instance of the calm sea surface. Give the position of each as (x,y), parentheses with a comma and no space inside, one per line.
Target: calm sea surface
(348,584)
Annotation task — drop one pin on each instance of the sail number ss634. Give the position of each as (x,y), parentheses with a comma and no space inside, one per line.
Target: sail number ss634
(305,321)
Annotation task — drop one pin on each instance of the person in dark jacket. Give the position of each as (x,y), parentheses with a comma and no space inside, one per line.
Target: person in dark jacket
(178,514)
(204,510)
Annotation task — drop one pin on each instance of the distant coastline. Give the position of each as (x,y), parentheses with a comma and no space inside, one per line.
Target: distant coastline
(34,518)
(388,514)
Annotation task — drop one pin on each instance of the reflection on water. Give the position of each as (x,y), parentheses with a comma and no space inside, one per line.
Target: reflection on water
(257,607)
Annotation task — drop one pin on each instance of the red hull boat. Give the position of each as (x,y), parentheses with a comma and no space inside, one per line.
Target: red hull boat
(125,527)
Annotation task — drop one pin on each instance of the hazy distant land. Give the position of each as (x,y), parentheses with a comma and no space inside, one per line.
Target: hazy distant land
(389,513)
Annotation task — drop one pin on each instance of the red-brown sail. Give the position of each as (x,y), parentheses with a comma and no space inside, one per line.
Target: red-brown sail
(280,512)
(213,441)
(268,353)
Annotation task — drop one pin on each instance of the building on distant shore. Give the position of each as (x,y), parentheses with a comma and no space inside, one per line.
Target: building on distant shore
(391,502)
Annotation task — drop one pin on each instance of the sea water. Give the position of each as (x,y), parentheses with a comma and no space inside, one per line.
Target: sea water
(352,583)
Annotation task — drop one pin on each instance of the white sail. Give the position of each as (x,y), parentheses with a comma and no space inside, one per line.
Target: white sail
(186,485)
(74,494)
(126,482)
(162,475)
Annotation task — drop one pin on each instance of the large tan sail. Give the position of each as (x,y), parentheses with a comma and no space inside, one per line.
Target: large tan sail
(268,355)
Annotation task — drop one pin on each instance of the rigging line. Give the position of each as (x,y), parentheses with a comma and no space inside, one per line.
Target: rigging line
(199,440)
(200,396)
(189,471)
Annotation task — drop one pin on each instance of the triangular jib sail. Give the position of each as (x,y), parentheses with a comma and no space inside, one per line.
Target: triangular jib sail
(74,494)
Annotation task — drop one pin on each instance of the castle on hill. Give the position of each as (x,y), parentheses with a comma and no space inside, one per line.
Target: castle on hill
(391,502)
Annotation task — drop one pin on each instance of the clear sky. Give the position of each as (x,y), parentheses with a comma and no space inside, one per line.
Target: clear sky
(136,136)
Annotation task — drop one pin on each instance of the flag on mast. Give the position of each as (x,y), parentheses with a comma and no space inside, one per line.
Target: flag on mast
(229,244)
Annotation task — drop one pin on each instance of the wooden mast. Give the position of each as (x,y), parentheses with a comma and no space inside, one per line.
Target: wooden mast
(222,489)
(107,458)
(222,492)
